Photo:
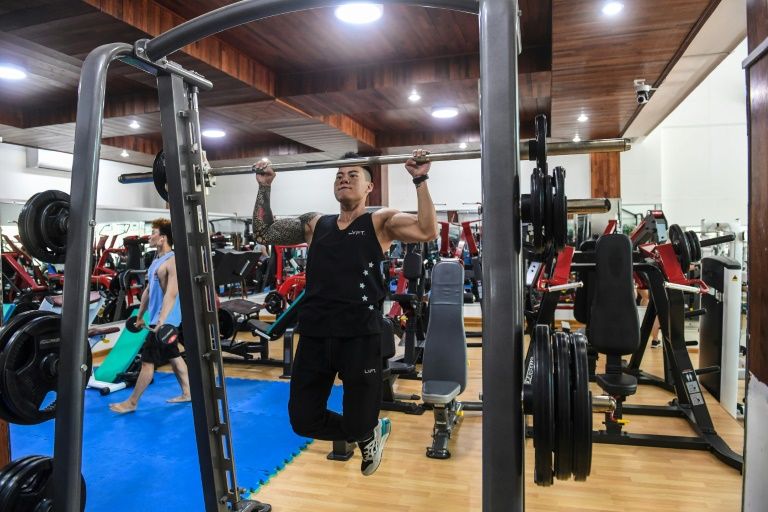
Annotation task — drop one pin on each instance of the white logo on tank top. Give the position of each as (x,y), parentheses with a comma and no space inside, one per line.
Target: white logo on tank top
(356,233)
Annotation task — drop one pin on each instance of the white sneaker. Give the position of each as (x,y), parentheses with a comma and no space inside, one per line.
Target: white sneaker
(373,449)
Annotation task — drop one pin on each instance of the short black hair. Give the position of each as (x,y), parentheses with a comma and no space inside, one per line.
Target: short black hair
(352,154)
(163,226)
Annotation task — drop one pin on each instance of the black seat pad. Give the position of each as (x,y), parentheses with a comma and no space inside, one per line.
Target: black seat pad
(259,326)
(614,327)
(617,384)
(241,306)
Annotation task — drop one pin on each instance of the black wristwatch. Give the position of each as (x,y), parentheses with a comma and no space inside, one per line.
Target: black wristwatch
(420,179)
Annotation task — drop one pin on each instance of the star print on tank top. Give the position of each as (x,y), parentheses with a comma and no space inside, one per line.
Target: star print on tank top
(345,287)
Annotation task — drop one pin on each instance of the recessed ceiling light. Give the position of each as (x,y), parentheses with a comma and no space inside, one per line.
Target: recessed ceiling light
(583,118)
(359,12)
(124,154)
(463,145)
(135,125)
(576,138)
(612,8)
(214,134)
(415,96)
(12,73)
(445,112)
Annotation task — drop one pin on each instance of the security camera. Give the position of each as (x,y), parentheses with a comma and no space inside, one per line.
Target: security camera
(643,91)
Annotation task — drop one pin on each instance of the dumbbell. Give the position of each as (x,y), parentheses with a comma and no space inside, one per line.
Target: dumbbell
(166,334)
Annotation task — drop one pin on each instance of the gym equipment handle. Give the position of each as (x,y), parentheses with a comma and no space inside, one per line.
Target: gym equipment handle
(555,148)
(567,286)
(730,237)
(682,287)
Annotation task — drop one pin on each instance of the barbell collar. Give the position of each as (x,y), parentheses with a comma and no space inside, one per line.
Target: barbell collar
(554,148)
(595,205)
(603,403)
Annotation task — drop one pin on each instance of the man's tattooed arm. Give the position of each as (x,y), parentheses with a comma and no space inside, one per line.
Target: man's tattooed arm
(268,231)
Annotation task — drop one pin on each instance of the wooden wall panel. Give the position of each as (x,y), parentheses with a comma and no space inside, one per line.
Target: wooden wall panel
(5,444)
(757,80)
(757,22)
(605,173)
(380,194)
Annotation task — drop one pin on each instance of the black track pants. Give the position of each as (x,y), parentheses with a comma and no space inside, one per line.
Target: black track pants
(318,360)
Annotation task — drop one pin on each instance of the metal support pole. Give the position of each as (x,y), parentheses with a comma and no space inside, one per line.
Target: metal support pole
(194,268)
(68,444)
(503,428)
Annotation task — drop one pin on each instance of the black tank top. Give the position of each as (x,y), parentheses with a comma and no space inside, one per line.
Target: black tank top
(344,288)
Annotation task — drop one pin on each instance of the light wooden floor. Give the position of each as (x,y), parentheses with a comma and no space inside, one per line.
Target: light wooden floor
(623,477)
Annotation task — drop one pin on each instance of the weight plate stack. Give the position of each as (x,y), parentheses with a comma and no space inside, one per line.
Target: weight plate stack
(561,347)
(543,406)
(581,409)
(158,175)
(548,211)
(29,368)
(8,471)
(560,210)
(537,209)
(30,486)
(16,323)
(695,245)
(682,248)
(43,225)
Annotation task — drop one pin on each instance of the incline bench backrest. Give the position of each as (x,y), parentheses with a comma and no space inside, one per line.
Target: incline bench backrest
(445,347)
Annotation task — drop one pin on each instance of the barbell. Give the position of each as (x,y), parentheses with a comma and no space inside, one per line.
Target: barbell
(529,150)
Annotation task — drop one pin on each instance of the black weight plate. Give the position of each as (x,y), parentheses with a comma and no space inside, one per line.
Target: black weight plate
(35,487)
(10,480)
(29,369)
(543,406)
(226,324)
(8,471)
(695,245)
(548,211)
(680,243)
(540,125)
(42,234)
(158,175)
(581,409)
(561,347)
(53,221)
(537,210)
(10,328)
(23,307)
(560,211)
(274,303)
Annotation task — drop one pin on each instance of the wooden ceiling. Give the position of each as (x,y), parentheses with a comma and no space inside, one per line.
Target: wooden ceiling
(306,86)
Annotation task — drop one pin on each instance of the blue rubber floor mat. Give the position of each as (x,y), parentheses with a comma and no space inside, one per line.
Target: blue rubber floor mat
(147,460)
